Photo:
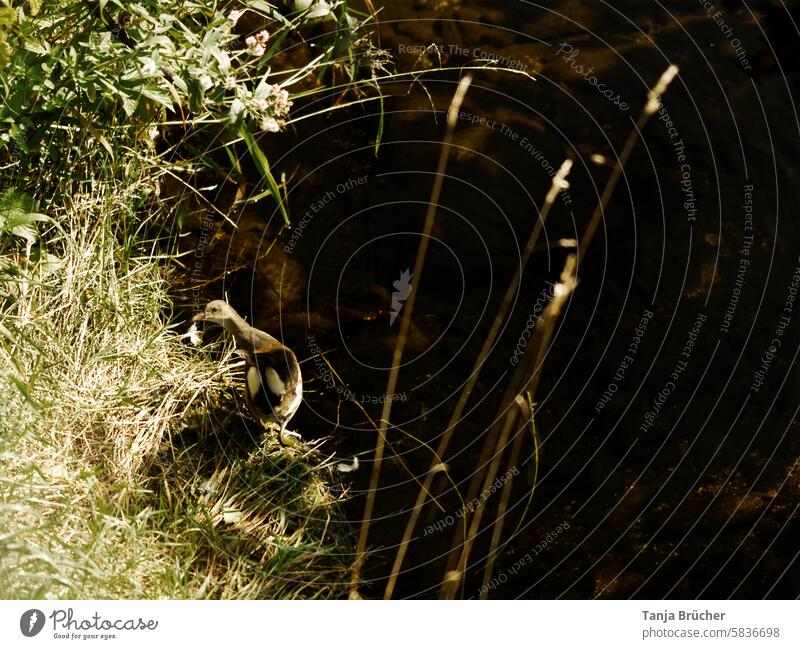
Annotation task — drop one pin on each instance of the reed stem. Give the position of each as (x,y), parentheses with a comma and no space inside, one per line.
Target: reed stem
(408,309)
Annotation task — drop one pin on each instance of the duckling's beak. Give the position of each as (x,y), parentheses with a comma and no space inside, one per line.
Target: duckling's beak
(199,316)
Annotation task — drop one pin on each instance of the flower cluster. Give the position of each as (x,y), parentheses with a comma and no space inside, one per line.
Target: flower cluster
(257,44)
(221,73)
(280,99)
(275,105)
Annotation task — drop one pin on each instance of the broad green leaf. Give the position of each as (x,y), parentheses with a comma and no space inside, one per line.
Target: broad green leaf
(26,231)
(48,264)
(18,215)
(319,9)
(157,95)
(25,219)
(14,203)
(7,18)
(175,96)
(211,38)
(262,89)
(129,104)
(35,46)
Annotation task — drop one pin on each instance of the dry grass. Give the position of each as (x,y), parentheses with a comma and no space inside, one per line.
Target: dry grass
(127,471)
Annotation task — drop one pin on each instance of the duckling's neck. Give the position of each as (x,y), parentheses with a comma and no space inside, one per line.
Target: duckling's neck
(247,337)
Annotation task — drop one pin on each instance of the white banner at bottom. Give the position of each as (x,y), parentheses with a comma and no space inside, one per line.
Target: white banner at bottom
(417,624)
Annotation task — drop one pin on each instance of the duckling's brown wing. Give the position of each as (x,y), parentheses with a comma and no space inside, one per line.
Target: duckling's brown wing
(274,385)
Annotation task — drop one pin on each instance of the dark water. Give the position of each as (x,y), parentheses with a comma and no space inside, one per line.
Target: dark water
(681,481)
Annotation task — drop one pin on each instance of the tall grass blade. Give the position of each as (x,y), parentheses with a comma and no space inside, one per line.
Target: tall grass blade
(452,119)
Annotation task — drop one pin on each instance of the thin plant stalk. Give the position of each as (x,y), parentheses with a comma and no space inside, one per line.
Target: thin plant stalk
(530,367)
(453,579)
(430,217)
(559,183)
(505,496)
(650,108)
(514,388)
(535,439)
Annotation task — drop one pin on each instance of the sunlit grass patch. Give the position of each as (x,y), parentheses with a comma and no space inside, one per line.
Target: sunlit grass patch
(126,468)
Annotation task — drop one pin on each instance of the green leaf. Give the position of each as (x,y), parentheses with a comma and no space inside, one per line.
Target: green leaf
(5,54)
(14,203)
(22,219)
(319,10)
(223,60)
(173,91)
(381,119)
(35,46)
(269,10)
(180,216)
(195,95)
(237,111)
(180,85)
(34,6)
(7,18)
(262,89)
(157,95)
(46,264)
(20,138)
(18,215)
(26,231)
(211,38)
(262,164)
(129,104)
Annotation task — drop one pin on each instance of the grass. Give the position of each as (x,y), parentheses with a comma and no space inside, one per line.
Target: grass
(127,469)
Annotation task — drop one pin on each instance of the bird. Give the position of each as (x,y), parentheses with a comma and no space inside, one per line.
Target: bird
(274,383)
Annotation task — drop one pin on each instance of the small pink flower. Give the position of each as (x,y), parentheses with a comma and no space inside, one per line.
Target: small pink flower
(280,98)
(261,104)
(270,124)
(205,82)
(234,15)
(257,44)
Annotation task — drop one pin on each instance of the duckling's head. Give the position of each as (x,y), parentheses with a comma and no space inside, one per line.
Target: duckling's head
(219,312)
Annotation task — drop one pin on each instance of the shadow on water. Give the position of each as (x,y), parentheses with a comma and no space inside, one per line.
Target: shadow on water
(665,468)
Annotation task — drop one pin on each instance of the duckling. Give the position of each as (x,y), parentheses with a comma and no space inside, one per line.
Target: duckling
(274,384)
